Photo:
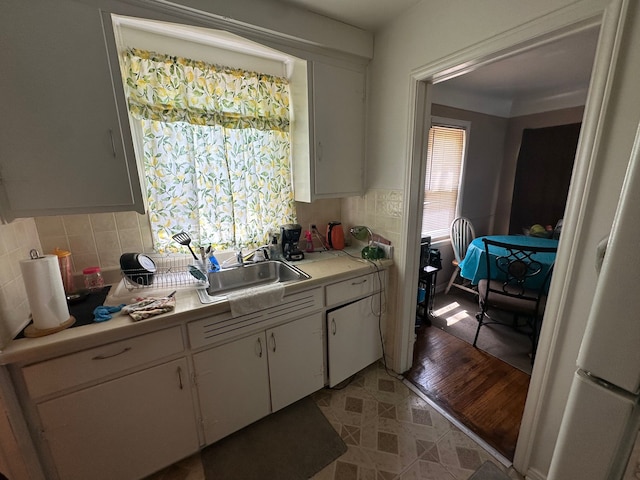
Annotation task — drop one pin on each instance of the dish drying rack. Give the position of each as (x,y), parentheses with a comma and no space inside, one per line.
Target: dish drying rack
(172,271)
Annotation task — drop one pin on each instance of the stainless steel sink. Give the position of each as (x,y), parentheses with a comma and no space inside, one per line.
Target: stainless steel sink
(252,275)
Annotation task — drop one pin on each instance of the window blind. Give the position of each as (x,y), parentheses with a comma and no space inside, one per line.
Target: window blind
(445,154)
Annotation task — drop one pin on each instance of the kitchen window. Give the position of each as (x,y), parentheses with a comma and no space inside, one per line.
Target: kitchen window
(213,143)
(444,168)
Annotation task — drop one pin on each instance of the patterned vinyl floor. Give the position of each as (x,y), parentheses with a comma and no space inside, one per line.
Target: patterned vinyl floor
(391,434)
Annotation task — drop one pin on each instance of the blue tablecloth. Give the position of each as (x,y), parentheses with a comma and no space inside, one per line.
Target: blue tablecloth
(474,265)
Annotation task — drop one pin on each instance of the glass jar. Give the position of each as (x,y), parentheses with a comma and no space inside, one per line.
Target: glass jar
(93,280)
(64,261)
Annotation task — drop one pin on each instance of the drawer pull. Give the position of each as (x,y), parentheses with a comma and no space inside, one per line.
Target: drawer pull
(259,345)
(104,357)
(180,378)
(360,282)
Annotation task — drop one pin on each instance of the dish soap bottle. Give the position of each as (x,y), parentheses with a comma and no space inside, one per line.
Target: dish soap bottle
(274,252)
(214,265)
(307,235)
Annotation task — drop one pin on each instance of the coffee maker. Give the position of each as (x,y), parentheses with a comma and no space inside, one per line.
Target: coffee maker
(289,237)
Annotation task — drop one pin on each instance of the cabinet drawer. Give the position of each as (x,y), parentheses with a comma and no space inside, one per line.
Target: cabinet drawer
(352,289)
(77,368)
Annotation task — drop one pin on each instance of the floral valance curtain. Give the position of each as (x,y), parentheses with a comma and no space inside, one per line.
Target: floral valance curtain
(216,149)
(175,89)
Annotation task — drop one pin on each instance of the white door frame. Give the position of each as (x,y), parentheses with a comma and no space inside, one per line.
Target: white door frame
(565,21)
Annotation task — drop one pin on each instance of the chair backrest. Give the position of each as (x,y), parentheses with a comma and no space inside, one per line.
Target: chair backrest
(520,271)
(462,234)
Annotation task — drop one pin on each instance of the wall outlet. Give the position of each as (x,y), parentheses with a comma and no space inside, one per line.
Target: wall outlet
(388,249)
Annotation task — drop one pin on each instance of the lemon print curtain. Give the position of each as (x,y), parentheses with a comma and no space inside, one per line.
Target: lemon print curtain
(216,149)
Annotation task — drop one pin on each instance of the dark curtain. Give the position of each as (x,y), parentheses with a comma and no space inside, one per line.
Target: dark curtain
(543,174)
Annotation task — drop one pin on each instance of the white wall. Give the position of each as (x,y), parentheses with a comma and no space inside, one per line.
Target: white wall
(433,30)
(280,17)
(426,33)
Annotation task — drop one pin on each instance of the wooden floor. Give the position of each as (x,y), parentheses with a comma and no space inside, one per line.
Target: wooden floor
(484,393)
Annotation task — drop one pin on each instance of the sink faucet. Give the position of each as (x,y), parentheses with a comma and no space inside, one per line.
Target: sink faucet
(240,258)
(259,255)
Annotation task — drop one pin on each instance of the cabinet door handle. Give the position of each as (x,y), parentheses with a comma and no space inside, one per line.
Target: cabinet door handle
(104,357)
(320,152)
(273,341)
(360,282)
(180,378)
(259,345)
(333,326)
(113,143)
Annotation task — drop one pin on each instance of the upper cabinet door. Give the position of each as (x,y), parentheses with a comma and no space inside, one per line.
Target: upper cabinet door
(337,134)
(65,142)
(339,119)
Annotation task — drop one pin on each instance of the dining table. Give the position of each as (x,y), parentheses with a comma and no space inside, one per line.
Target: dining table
(474,265)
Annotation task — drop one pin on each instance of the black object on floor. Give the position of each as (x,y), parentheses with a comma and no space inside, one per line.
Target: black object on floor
(292,444)
(489,471)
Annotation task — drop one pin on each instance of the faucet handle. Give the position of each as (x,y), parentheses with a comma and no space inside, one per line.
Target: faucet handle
(259,255)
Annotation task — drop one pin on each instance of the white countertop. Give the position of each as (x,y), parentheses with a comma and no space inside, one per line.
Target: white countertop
(323,267)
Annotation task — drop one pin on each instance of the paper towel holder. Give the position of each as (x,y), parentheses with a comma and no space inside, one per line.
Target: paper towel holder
(31,331)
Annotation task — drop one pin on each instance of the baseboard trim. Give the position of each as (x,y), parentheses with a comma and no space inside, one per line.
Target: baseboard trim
(490,450)
(533,474)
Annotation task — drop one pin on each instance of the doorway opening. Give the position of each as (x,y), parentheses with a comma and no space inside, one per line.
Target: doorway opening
(494,182)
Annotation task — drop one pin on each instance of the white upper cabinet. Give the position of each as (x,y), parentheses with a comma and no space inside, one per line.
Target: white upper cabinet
(336,134)
(65,141)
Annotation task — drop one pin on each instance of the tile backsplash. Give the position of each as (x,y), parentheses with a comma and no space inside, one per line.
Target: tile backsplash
(16,240)
(380,210)
(100,239)
(96,239)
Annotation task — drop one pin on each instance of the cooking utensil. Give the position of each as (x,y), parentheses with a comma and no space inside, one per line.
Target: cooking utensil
(197,273)
(183,238)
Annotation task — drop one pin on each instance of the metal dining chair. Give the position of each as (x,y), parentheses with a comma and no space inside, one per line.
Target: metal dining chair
(517,284)
(462,234)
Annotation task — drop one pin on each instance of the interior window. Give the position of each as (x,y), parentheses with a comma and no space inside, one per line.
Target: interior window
(445,161)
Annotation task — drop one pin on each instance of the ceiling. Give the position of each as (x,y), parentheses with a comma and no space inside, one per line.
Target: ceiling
(546,77)
(365,14)
(558,71)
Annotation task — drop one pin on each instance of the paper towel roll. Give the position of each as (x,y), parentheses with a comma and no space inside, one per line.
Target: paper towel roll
(45,292)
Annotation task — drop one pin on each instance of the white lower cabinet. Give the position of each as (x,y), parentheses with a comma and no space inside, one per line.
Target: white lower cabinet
(244,380)
(233,385)
(125,428)
(353,336)
(295,360)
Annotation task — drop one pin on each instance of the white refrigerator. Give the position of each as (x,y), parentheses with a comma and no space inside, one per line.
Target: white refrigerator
(598,437)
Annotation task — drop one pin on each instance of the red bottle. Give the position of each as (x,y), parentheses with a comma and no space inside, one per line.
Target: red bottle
(307,235)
